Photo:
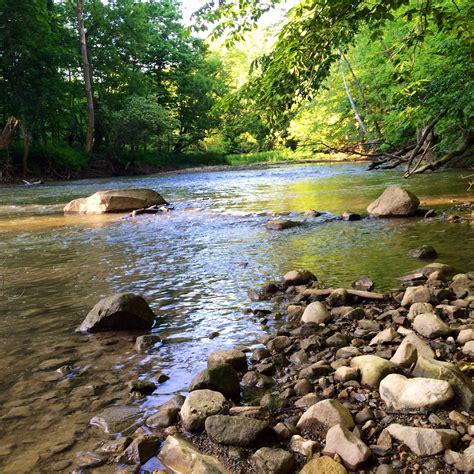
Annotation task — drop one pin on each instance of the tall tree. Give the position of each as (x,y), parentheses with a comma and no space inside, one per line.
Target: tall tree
(86,69)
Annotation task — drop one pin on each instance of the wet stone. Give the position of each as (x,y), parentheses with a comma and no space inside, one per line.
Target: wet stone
(116,419)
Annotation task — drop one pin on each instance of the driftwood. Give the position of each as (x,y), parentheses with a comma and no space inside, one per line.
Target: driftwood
(414,154)
(368,295)
(8,133)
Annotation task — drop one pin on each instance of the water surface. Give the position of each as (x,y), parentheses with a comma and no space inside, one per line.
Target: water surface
(194,265)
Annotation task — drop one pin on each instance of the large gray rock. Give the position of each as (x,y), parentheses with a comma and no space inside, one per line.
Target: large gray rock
(179,455)
(430,326)
(273,461)
(117,200)
(221,378)
(316,313)
(122,312)
(372,369)
(198,406)
(400,393)
(236,430)
(394,202)
(435,369)
(349,447)
(323,415)
(423,441)
(416,294)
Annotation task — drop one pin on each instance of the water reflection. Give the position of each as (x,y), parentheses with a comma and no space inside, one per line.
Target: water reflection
(194,265)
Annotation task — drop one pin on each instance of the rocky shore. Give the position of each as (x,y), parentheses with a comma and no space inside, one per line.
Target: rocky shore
(346,380)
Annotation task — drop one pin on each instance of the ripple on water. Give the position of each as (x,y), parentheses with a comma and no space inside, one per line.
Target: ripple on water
(194,265)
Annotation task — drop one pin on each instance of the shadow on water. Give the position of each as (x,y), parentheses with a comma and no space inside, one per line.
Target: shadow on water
(194,265)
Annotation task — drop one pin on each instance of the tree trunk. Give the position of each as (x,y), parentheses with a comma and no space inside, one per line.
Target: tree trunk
(351,100)
(8,132)
(26,148)
(362,96)
(87,75)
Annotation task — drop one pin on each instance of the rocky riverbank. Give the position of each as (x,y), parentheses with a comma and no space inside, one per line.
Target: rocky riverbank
(347,379)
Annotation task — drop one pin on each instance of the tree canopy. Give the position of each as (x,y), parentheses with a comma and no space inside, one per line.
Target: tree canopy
(389,79)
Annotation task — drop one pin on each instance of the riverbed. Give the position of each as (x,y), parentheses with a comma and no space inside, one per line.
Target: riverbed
(194,265)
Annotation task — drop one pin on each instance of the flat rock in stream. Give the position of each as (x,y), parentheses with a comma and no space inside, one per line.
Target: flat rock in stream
(117,200)
(116,419)
(121,312)
(281,224)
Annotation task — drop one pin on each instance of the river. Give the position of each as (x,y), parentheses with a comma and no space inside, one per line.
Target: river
(194,265)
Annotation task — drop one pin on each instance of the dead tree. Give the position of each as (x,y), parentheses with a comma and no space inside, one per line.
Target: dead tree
(351,101)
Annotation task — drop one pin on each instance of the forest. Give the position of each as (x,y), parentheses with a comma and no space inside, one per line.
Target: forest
(95,88)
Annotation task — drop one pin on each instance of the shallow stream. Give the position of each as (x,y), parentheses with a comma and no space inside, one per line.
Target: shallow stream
(194,265)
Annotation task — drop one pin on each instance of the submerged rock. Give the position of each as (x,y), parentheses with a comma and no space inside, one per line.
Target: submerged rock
(121,312)
(394,202)
(425,252)
(143,343)
(281,224)
(116,419)
(119,200)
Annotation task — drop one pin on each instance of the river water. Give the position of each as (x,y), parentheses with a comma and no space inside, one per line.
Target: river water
(194,265)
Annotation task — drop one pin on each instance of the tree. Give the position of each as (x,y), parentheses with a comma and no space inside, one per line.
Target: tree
(30,86)
(87,72)
(318,33)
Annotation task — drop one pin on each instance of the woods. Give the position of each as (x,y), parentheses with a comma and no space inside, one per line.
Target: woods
(101,87)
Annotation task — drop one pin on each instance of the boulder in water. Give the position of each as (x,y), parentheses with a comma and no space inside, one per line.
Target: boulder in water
(122,312)
(118,200)
(394,202)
